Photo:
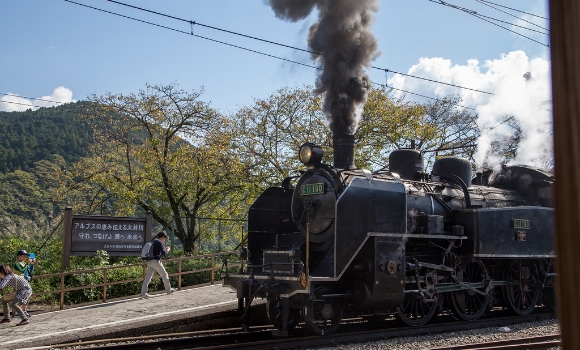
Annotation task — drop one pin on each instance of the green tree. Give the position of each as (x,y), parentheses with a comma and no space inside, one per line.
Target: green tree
(387,124)
(274,128)
(27,199)
(163,151)
(31,136)
(272,131)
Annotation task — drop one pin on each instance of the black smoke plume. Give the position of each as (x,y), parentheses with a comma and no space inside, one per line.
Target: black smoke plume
(343,44)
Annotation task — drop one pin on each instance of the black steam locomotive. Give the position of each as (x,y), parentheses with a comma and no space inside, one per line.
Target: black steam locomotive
(401,242)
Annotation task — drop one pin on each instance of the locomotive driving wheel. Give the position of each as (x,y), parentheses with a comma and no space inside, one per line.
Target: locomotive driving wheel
(275,311)
(472,301)
(523,286)
(323,314)
(416,311)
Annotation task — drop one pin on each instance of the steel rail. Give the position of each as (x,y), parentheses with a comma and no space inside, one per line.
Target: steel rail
(264,339)
(539,342)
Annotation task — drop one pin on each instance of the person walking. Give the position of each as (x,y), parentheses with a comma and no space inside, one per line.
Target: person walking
(23,293)
(159,250)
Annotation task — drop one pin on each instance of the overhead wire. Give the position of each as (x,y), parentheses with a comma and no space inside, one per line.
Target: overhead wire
(35,106)
(512,15)
(30,98)
(414,93)
(259,39)
(192,34)
(435,81)
(263,40)
(483,18)
(22,104)
(215,28)
(527,13)
(516,25)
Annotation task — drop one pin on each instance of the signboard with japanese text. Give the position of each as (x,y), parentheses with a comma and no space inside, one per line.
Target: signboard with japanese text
(113,234)
(118,236)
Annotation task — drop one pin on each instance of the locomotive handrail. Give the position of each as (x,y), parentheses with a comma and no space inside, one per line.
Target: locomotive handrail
(439,199)
(433,266)
(462,185)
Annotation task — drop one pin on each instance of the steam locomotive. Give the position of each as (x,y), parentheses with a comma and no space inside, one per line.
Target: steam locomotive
(401,242)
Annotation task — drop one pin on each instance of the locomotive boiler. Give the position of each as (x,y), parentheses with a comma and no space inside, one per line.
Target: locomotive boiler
(342,239)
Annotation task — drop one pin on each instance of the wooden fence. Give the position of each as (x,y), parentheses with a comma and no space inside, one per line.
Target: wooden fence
(62,290)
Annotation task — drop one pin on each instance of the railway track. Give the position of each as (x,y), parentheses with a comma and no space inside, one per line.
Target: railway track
(359,331)
(540,342)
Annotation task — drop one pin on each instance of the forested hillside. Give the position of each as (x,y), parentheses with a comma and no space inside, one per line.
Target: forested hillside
(35,149)
(31,136)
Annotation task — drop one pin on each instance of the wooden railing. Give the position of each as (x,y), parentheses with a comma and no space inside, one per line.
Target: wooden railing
(62,290)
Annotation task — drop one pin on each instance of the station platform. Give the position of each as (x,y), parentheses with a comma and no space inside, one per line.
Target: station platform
(117,318)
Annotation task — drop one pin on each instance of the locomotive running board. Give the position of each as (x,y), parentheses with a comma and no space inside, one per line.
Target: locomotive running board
(411,235)
(514,256)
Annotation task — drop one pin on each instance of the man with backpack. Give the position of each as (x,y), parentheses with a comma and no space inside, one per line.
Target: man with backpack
(157,250)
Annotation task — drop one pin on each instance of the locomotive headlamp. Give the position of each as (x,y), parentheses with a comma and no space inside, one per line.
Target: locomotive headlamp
(310,154)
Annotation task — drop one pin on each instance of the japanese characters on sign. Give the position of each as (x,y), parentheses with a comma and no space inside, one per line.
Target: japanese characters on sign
(116,235)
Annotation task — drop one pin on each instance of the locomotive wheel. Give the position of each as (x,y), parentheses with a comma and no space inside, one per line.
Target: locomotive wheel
(468,304)
(416,312)
(323,315)
(523,289)
(275,311)
(549,292)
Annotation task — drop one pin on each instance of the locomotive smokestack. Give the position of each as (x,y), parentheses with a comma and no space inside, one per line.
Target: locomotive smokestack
(343,151)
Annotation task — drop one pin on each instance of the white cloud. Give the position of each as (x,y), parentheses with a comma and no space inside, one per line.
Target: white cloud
(14,103)
(528,100)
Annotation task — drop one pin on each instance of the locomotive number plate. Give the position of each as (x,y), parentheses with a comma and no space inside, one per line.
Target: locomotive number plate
(521,223)
(309,189)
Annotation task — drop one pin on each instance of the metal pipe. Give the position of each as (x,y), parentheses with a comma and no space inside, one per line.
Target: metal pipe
(307,249)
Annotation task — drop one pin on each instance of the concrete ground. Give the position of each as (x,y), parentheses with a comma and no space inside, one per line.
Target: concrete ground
(125,317)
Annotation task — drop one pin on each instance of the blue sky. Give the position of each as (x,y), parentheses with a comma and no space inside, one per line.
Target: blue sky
(52,43)
(62,51)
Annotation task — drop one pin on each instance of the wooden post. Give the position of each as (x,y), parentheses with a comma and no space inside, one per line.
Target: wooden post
(105,286)
(62,290)
(66,239)
(212,268)
(179,274)
(565,49)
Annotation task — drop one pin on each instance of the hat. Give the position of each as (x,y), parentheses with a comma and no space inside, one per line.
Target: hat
(22,252)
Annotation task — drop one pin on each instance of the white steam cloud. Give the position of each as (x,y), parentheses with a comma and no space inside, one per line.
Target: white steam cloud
(520,86)
(12,102)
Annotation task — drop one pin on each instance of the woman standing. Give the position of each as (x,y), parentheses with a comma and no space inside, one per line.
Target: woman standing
(23,293)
